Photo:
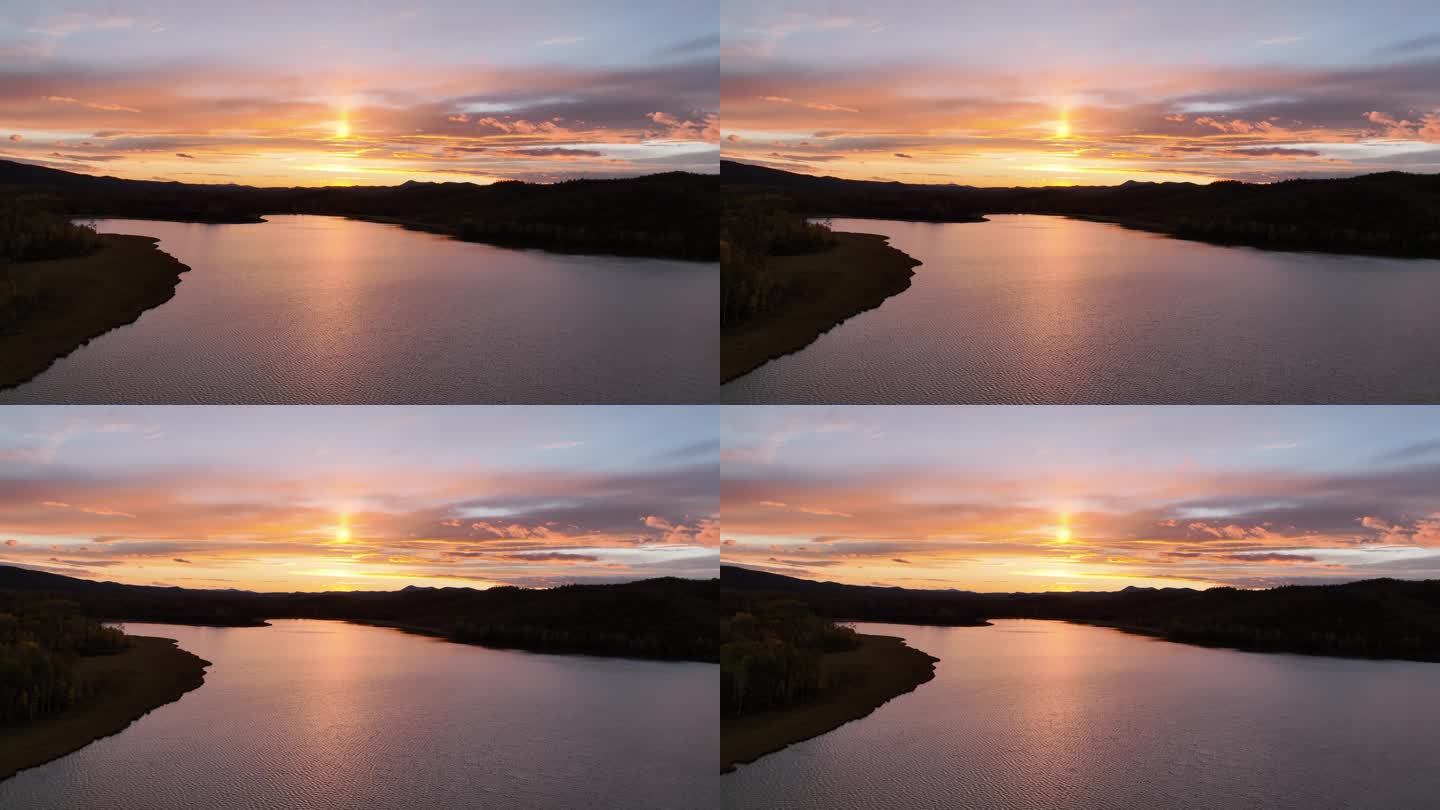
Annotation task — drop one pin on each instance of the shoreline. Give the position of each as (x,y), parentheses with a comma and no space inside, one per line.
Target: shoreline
(82,298)
(859,274)
(1161,634)
(1172,231)
(880,670)
(127,686)
(443,635)
(560,250)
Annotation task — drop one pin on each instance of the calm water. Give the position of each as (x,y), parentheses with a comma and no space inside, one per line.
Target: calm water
(1031,309)
(1030,714)
(305,309)
(318,715)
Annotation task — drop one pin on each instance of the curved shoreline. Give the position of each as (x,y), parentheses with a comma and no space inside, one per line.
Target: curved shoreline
(880,670)
(128,685)
(828,288)
(83,298)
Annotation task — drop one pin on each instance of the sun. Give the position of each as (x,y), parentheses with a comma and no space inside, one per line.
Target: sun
(342,529)
(342,126)
(1062,127)
(1062,532)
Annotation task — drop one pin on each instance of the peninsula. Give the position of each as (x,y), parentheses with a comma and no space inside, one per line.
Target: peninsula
(120,688)
(51,307)
(821,290)
(877,670)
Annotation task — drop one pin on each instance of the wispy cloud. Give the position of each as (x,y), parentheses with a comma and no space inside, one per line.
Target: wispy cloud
(1123,498)
(374,505)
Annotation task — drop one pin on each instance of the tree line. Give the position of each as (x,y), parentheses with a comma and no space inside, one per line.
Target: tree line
(754,228)
(41,641)
(1388,213)
(671,215)
(1378,618)
(663,618)
(29,232)
(772,654)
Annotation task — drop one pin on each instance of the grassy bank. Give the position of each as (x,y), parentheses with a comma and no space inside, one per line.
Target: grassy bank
(858,682)
(123,686)
(60,305)
(823,289)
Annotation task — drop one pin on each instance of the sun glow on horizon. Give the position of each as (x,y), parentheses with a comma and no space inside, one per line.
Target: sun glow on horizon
(1062,127)
(1062,532)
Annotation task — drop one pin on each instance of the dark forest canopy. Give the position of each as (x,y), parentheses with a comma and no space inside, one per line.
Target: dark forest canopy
(1378,618)
(665,618)
(41,641)
(672,215)
(771,652)
(1391,213)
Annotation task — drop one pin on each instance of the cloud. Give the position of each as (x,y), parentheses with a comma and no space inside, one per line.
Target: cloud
(1420,43)
(702,43)
(1425,127)
(823,107)
(989,527)
(569,40)
(1411,451)
(476,122)
(1273,151)
(72,22)
(1160,121)
(704,127)
(183,155)
(403,522)
(556,151)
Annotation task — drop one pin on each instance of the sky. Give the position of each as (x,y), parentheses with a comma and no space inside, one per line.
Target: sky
(360,92)
(1082,498)
(1054,92)
(360,498)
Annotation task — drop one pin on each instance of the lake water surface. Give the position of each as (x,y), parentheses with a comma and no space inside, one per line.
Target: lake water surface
(1032,714)
(1037,309)
(324,715)
(308,309)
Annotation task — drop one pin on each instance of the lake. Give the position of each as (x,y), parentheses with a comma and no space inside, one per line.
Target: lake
(1037,714)
(309,309)
(318,715)
(1039,309)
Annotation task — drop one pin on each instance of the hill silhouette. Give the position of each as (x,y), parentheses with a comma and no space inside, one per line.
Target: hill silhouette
(1377,618)
(673,215)
(1390,213)
(664,618)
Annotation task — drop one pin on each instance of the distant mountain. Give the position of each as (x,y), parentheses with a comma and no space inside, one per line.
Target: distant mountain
(666,618)
(1390,213)
(673,214)
(24,579)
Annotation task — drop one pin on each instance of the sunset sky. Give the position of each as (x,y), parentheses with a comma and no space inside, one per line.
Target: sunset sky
(372,498)
(323,92)
(1054,92)
(1075,498)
